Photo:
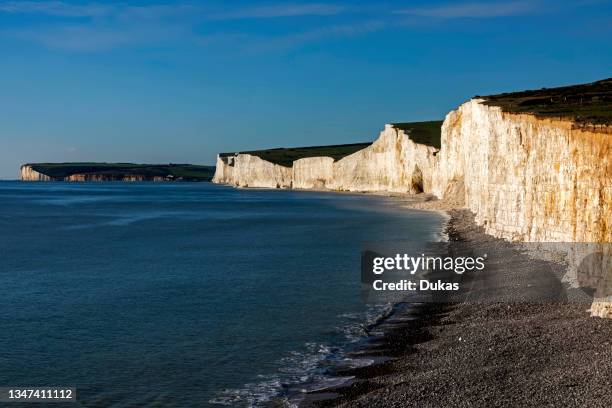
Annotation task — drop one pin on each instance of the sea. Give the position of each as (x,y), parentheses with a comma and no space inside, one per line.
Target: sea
(185,294)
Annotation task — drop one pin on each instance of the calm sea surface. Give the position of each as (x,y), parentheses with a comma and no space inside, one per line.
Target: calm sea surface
(185,294)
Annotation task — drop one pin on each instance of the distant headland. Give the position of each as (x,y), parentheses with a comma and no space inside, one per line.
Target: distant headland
(115,172)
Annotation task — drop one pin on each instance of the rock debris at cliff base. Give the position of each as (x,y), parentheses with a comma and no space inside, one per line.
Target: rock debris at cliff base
(494,354)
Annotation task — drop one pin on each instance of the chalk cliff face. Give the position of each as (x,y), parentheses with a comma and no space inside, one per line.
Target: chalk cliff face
(313,172)
(534,180)
(529,179)
(392,163)
(26,173)
(245,170)
(525,178)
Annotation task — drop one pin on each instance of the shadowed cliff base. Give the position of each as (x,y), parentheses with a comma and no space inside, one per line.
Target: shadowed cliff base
(487,354)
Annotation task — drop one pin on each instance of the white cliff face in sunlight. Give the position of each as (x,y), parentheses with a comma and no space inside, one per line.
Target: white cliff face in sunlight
(392,163)
(529,179)
(532,180)
(525,178)
(26,173)
(245,170)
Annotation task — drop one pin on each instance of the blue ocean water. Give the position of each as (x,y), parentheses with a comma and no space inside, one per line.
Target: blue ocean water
(182,294)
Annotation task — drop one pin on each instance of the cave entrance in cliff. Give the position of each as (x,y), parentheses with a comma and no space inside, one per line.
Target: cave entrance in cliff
(417,181)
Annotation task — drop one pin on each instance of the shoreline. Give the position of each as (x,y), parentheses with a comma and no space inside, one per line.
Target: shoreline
(513,352)
(420,202)
(481,354)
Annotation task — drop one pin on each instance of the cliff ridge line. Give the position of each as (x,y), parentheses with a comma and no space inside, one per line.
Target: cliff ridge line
(525,178)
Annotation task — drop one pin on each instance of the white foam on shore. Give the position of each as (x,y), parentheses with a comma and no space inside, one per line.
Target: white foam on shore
(304,371)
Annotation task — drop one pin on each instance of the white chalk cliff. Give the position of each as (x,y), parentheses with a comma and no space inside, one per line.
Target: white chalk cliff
(27,173)
(392,163)
(245,170)
(529,179)
(525,178)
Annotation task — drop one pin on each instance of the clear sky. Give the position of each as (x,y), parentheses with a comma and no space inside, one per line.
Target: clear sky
(179,81)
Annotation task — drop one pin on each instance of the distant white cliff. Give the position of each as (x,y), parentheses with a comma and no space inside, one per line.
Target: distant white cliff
(392,163)
(27,173)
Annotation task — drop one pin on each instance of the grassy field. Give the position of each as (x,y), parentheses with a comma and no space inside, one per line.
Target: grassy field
(586,103)
(427,133)
(188,172)
(285,156)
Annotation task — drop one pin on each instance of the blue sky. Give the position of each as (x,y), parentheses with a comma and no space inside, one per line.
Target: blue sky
(179,81)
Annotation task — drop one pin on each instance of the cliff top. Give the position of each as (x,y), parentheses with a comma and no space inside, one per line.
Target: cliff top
(585,103)
(183,171)
(285,156)
(427,133)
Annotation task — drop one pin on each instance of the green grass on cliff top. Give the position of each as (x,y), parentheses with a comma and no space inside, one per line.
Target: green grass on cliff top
(285,156)
(427,133)
(421,132)
(189,172)
(584,104)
